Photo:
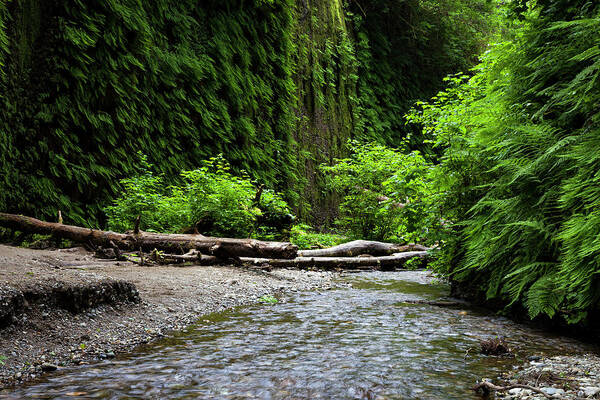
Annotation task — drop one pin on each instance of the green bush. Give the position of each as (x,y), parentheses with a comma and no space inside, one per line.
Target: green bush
(305,237)
(386,193)
(211,199)
(520,167)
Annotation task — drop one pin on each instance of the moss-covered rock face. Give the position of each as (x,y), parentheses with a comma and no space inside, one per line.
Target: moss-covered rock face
(325,77)
(277,86)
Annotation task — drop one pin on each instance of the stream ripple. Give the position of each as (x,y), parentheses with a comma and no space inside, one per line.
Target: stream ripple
(360,342)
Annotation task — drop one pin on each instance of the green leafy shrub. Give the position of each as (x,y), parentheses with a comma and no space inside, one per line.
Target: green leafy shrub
(220,202)
(520,166)
(385,193)
(305,237)
(211,199)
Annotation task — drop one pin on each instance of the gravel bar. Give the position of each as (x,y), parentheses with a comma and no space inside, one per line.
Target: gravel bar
(42,331)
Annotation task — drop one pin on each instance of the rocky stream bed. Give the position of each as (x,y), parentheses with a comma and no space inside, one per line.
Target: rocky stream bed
(64,308)
(201,332)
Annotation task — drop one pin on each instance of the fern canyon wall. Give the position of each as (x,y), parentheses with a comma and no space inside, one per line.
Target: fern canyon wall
(87,88)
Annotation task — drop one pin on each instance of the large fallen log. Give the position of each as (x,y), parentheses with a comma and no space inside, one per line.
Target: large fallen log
(176,243)
(359,247)
(383,263)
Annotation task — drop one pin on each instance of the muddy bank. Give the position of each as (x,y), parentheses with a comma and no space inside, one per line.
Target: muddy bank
(65,307)
(64,296)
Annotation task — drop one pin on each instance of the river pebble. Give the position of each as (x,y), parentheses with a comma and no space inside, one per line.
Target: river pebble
(560,377)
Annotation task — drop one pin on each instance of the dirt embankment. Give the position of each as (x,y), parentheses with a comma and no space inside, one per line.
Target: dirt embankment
(66,307)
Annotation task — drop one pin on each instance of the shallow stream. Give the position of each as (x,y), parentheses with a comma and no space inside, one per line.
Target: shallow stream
(363,342)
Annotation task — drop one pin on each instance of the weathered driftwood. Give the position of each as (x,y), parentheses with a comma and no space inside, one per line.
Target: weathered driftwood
(486,387)
(176,243)
(192,256)
(359,247)
(384,262)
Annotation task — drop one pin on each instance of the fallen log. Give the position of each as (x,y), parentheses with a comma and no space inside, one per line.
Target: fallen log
(193,256)
(383,263)
(358,247)
(146,241)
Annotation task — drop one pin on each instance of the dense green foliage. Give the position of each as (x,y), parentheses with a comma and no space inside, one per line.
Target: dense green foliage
(211,200)
(277,87)
(405,49)
(386,194)
(305,237)
(107,79)
(3,37)
(520,168)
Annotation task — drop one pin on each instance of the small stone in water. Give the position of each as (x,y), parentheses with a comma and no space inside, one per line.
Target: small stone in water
(553,391)
(48,367)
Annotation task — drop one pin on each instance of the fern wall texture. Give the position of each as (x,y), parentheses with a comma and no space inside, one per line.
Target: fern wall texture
(92,83)
(277,86)
(528,238)
(325,80)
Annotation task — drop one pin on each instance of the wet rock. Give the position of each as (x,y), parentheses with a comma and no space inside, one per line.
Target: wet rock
(564,377)
(47,367)
(494,346)
(591,391)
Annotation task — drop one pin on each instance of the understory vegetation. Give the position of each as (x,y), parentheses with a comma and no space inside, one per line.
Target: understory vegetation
(385,194)
(305,237)
(210,200)
(520,165)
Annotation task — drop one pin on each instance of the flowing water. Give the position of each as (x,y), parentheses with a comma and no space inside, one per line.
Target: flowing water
(363,342)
